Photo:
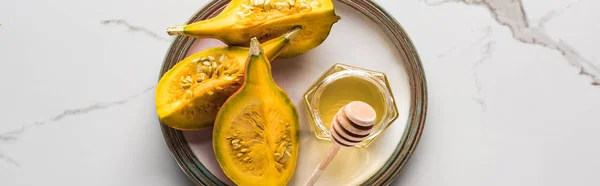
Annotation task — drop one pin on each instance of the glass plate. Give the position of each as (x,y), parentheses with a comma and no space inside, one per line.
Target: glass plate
(367,37)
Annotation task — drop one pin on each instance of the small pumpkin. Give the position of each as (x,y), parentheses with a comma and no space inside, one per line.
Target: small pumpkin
(255,137)
(266,19)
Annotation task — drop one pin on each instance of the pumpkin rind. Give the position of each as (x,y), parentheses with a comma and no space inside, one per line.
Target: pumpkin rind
(255,137)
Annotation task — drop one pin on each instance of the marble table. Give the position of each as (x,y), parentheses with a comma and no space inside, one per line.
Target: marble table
(514,91)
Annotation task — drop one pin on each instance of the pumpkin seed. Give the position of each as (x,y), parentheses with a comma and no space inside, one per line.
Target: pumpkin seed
(246,7)
(279,167)
(222,57)
(214,65)
(188,79)
(281,5)
(258,2)
(304,7)
(185,86)
(201,77)
(286,156)
(277,156)
(188,94)
(315,4)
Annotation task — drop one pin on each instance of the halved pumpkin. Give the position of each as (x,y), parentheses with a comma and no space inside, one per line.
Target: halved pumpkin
(255,137)
(266,19)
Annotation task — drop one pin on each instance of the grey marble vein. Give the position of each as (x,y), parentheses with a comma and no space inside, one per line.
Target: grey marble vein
(486,54)
(9,160)
(510,13)
(487,32)
(486,47)
(134,28)
(12,135)
(481,102)
(555,13)
(15,134)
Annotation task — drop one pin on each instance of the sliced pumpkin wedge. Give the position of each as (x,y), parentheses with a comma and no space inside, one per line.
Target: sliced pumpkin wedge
(255,137)
(266,19)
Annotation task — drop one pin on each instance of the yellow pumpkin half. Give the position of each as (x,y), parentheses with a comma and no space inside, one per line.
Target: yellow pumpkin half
(266,19)
(255,137)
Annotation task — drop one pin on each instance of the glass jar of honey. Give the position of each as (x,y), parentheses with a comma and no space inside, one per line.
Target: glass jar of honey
(342,84)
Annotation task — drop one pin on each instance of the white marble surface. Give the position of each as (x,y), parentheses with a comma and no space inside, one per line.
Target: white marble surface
(508,104)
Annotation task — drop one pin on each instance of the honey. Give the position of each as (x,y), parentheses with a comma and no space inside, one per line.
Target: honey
(345,90)
(342,84)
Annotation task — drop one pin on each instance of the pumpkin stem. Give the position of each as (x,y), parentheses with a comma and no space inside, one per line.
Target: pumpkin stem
(255,49)
(175,30)
(293,33)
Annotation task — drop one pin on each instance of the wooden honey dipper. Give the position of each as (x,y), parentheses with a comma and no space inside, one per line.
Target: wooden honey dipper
(351,125)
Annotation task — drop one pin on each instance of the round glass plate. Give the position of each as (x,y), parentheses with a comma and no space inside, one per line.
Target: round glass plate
(367,37)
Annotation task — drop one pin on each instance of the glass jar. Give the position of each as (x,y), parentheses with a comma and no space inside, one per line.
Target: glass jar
(342,84)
